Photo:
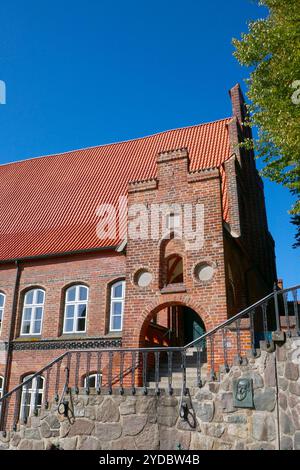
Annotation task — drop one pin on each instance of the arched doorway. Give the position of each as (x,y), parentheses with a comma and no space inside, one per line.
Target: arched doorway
(172,325)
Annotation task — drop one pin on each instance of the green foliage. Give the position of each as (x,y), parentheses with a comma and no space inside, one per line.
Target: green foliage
(296,221)
(272,49)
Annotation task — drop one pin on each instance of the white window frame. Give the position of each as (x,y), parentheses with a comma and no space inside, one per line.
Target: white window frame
(76,304)
(30,389)
(1,387)
(2,310)
(116,300)
(33,306)
(98,380)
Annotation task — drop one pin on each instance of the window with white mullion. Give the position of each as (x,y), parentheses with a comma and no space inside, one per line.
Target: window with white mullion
(32,396)
(93,381)
(76,309)
(2,304)
(117,306)
(33,310)
(1,386)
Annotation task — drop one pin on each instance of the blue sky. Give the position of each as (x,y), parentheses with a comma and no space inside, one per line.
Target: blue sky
(83,73)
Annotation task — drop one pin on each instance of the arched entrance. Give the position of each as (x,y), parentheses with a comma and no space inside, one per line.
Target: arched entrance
(172,325)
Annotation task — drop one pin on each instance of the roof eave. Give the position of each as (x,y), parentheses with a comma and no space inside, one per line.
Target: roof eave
(61,254)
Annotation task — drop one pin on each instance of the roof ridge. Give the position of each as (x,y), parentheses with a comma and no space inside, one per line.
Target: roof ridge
(113,143)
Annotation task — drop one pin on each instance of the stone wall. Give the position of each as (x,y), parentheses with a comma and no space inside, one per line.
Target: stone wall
(152,422)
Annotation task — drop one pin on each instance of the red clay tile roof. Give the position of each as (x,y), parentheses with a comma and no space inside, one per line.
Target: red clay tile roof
(48,204)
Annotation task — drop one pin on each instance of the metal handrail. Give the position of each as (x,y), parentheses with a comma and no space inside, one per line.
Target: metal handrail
(126,372)
(143,352)
(33,376)
(86,351)
(163,348)
(240,315)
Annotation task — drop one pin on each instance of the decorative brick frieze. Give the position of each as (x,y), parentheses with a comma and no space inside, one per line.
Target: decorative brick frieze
(203,175)
(140,186)
(172,155)
(91,343)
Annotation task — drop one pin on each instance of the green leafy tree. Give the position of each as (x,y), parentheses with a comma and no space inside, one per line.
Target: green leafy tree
(296,221)
(272,49)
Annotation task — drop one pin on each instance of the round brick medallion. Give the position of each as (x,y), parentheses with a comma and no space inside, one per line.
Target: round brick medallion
(204,272)
(143,278)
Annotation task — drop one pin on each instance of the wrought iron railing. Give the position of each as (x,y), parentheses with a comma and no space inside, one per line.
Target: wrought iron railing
(129,368)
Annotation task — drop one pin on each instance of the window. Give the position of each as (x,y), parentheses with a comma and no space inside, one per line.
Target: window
(76,309)
(33,310)
(117,297)
(32,396)
(2,303)
(171,261)
(174,269)
(93,381)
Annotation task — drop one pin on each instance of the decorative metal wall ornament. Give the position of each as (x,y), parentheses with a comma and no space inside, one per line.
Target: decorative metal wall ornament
(243,393)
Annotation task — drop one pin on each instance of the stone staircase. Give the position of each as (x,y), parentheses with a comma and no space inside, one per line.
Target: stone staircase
(191,371)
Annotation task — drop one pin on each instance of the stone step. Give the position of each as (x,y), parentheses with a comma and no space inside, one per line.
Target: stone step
(191,352)
(189,357)
(191,377)
(190,362)
(178,368)
(176,383)
(191,371)
(175,375)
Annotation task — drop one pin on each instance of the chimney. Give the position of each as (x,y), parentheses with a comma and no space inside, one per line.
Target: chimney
(238,103)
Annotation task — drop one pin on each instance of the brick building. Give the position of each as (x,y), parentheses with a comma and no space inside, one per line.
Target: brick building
(71,276)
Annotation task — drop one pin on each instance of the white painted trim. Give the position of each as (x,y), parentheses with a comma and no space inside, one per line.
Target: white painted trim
(76,303)
(117,299)
(33,306)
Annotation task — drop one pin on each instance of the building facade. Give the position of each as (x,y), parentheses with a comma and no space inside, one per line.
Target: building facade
(78,270)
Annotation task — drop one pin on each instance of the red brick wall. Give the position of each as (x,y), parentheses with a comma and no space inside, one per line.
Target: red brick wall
(96,271)
(176,185)
(247,212)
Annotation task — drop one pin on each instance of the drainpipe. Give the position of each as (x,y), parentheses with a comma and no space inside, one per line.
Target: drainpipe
(10,338)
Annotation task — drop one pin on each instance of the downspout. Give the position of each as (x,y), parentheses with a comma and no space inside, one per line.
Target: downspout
(10,338)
